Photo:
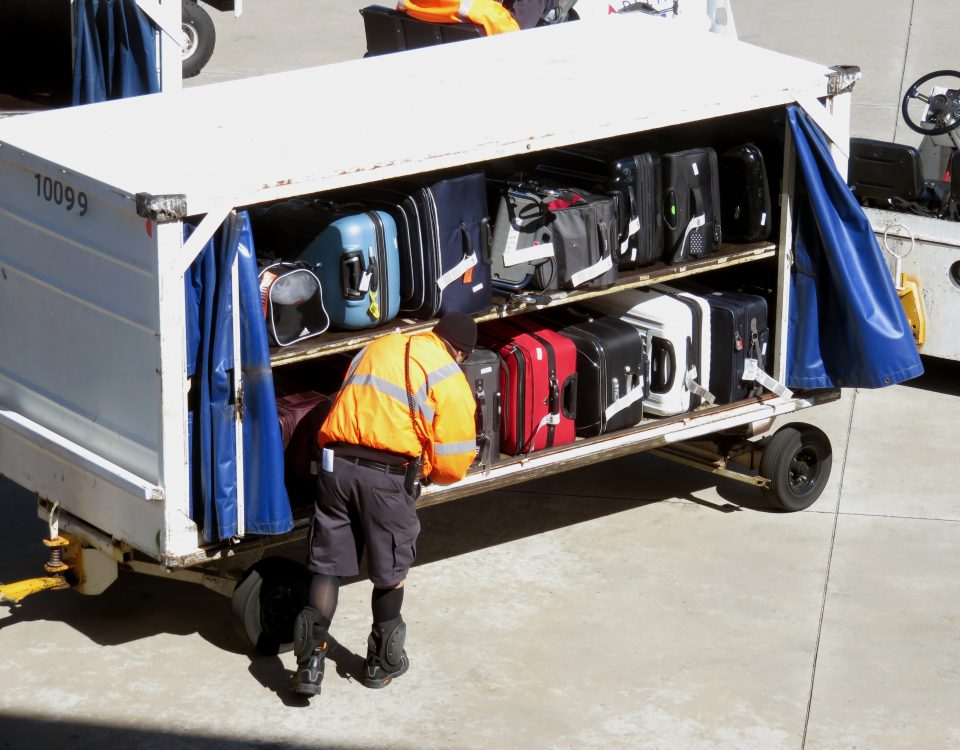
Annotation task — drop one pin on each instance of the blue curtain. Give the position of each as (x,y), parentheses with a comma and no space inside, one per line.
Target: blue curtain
(212,412)
(847,327)
(115,53)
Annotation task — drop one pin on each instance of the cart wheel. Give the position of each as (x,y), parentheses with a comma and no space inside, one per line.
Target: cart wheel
(797,462)
(267,600)
(199,38)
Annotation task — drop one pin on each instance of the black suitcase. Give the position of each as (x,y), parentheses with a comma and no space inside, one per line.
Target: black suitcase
(634,182)
(739,330)
(482,371)
(691,204)
(744,195)
(389,30)
(443,236)
(613,372)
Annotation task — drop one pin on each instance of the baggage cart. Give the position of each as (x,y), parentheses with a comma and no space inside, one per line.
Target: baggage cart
(94,396)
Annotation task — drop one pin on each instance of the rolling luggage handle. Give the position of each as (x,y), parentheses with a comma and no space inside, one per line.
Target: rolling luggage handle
(355,280)
(562,400)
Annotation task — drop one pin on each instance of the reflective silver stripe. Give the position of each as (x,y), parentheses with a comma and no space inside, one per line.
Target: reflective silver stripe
(455,449)
(464,11)
(393,391)
(442,373)
(354,363)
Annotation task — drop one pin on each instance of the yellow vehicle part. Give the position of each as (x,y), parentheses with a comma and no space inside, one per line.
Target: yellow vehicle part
(64,557)
(912,301)
(14,592)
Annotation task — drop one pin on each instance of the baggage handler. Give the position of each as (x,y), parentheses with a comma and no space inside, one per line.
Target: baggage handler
(403,401)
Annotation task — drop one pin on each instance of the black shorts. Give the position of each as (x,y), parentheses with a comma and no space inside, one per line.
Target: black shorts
(359,508)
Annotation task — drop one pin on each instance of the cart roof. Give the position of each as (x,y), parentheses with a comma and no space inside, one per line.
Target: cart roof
(269,137)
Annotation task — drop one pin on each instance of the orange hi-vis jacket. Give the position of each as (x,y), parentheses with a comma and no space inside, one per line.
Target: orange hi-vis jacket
(372,408)
(491,15)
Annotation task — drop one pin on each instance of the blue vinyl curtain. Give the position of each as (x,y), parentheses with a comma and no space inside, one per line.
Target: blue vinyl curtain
(847,327)
(210,362)
(115,52)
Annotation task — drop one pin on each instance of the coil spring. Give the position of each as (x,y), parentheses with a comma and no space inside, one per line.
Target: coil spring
(56,557)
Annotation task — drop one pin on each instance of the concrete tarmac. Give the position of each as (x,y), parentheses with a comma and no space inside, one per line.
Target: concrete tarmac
(634,604)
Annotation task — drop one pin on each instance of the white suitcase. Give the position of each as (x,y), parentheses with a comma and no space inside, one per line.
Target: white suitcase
(677,324)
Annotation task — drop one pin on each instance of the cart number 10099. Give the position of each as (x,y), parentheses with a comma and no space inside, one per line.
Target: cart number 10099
(54,191)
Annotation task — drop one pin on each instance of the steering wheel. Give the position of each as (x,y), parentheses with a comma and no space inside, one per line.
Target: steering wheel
(944,109)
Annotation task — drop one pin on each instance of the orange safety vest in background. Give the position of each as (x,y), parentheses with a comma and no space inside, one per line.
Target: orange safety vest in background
(372,409)
(491,15)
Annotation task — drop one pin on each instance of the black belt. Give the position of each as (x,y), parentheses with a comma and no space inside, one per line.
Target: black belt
(376,465)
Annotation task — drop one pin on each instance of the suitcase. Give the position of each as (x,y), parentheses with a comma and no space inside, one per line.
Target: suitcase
(744,195)
(691,204)
(354,253)
(613,373)
(676,327)
(701,311)
(538,384)
(482,371)
(549,236)
(389,30)
(301,414)
(444,236)
(635,183)
(738,331)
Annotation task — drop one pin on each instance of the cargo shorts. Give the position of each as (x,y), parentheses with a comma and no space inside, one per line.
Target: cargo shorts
(361,509)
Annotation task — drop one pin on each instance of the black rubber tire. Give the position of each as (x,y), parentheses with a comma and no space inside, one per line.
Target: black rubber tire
(200,37)
(266,602)
(797,461)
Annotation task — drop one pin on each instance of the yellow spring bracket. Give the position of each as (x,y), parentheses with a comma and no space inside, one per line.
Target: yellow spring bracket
(62,550)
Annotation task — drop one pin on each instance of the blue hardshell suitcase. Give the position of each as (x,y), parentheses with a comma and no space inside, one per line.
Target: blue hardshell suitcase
(356,258)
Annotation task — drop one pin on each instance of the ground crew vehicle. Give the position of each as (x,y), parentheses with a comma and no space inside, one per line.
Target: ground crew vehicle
(923,243)
(95,402)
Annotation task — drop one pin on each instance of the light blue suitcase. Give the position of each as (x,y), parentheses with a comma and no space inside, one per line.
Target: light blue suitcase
(357,260)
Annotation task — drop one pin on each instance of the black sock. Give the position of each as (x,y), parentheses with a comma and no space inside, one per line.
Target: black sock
(386,604)
(324,595)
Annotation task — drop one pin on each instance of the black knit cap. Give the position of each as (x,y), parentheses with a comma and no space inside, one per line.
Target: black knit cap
(458,330)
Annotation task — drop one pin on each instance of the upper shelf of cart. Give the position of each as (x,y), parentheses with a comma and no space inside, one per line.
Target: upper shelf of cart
(269,137)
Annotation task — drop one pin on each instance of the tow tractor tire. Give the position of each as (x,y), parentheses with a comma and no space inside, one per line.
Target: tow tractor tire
(797,462)
(199,38)
(267,600)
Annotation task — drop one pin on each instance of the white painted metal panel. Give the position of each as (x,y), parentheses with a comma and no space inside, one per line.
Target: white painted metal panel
(931,248)
(275,136)
(79,352)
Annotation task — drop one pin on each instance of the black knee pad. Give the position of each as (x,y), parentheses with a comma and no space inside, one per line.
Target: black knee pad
(392,634)
(309,633)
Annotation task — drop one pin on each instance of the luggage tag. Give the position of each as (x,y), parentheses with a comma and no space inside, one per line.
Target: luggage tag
(537,251)
(690,381)
(753,372)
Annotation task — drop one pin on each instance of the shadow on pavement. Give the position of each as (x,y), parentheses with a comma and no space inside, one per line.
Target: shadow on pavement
(139,606)
(37,732)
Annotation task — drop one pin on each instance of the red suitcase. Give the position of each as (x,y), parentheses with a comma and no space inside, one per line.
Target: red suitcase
(538,384)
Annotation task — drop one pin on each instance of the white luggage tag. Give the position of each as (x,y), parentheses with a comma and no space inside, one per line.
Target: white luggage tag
(753,372)
(512,256)
(690,381)
(628,399)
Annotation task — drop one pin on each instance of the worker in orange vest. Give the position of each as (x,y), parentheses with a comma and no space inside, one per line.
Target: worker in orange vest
(405,412)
